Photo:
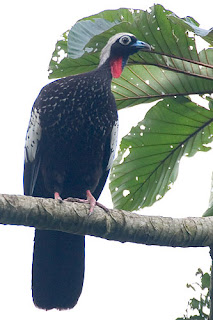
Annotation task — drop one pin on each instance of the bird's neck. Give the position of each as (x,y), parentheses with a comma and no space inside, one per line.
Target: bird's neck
(114,66)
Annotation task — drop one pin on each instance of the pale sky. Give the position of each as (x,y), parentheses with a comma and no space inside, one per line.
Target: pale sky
(122,281)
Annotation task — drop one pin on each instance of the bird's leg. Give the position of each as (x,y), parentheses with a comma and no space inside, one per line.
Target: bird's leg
(90,200)
(57,196)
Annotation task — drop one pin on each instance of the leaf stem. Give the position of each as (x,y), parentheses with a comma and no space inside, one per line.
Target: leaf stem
(160,96)
(184,59)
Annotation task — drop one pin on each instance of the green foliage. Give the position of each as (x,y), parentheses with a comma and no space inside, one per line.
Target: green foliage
(194,27)
(149,156)
(209,211)
(151,152)
(199,306)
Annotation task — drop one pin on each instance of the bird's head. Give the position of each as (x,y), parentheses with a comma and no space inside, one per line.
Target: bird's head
(118,49)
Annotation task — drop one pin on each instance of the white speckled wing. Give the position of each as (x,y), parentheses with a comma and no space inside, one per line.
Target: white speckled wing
(31,156)
(33,136)
(113,144)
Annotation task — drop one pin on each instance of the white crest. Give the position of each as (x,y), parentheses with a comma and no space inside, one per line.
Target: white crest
(105,53)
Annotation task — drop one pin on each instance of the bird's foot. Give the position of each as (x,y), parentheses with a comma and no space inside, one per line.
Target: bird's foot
(57,196)
(90,200)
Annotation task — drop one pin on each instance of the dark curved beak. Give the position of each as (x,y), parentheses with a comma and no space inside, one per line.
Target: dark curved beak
(140,45)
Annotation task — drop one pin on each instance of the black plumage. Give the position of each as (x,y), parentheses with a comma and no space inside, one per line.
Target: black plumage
(70,146)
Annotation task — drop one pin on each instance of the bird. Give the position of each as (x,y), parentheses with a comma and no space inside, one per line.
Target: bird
(69,149)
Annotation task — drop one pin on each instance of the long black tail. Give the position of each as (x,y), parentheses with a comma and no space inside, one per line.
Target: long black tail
(58,269)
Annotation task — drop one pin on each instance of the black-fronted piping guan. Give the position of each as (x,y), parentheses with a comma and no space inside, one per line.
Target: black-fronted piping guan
(70,145)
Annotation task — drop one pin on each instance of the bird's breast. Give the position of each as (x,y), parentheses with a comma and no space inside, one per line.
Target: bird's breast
(82,116)
(76,119)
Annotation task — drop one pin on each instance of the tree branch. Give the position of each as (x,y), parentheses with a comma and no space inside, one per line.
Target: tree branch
(116,225)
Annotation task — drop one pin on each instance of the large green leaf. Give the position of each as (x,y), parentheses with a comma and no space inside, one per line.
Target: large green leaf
(193,25)
(173,68)
(146,83)
(81,53)
(81,36)
(149,156)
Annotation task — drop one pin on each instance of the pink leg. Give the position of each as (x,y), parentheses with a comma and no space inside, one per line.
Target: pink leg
(90,199)
(57,196)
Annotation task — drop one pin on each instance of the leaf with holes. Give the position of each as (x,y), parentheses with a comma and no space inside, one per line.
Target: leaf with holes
(148,159)
(193,26)
(82,51)
(174,67)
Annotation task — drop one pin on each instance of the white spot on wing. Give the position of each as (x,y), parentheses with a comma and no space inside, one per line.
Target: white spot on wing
(113,144)
(33,136)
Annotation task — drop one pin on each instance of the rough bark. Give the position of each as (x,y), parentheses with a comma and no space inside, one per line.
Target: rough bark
(115,224)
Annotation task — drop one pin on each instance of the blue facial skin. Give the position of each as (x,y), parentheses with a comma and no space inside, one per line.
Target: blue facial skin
(141,45)
(138,45)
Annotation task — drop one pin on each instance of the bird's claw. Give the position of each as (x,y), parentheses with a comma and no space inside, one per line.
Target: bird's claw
(57,197)
(90,200)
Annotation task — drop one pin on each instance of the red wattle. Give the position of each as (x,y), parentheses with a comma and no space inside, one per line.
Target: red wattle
(116,67)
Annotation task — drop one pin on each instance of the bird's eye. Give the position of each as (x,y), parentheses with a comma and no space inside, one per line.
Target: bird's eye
(125,40)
